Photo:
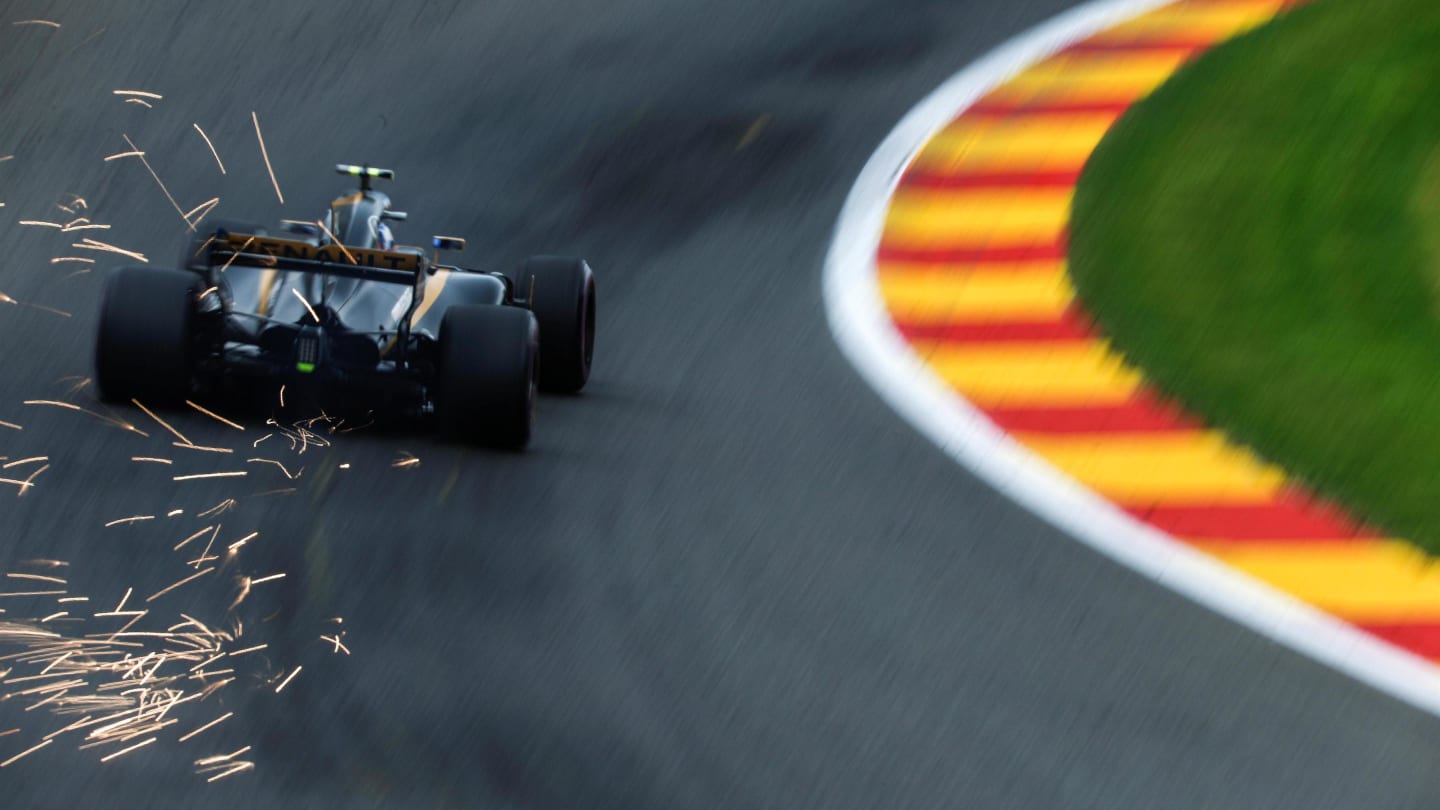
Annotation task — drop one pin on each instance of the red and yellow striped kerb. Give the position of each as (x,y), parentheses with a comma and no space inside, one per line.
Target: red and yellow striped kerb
(972,267)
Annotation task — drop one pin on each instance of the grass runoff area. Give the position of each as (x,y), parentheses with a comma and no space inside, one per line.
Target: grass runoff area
(1262,237)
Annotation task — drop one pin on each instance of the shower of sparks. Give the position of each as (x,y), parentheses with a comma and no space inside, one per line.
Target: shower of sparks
(87,243)
(124,681)
(49,23)
(158,182)
(40,223)
(217,417)
(406,460)
(129,520)
(141,93)
(308,308)
(177,434)
(142,102)
(282,395)
(214,153)
(108,158)
(266,155)
(198,476)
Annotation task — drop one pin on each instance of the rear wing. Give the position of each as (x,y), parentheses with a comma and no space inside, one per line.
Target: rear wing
(247,250)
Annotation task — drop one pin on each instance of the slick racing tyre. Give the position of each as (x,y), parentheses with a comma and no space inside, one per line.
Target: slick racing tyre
(561,293)
(485,375)
(145,346)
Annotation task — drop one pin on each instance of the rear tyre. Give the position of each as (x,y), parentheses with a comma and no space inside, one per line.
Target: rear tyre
(485,375)
(145,346)
(561,293)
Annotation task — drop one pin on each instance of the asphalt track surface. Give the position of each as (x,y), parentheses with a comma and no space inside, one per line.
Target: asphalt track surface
(726,575)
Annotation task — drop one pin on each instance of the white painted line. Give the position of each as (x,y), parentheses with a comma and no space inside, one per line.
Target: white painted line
(863,329)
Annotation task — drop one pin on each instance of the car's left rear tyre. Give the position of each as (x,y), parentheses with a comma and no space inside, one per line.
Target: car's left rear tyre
(145,346)
(486,375)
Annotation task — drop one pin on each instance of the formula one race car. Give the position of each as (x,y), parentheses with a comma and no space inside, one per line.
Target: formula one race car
(341,317)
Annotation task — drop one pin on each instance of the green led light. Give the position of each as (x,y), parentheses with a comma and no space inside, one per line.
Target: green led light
(305,368)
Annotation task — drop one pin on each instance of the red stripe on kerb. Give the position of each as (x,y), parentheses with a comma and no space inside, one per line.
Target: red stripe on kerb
(974,254)
(1421,637)
(930,180)
(1288,517)
(1144,413)
(1000,332)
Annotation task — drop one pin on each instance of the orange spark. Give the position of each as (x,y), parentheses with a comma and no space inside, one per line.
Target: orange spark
(222,718)
(197,476)
(266,155)
(288,679)
(135,519)
(217,417)
(168,588)
(218,162)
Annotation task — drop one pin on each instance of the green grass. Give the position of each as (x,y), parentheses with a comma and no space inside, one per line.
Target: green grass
(1262,236)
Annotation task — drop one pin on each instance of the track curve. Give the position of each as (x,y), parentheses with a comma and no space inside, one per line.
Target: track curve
(724,576)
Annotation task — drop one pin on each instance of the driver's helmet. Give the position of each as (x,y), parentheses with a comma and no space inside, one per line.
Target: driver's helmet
(384,239)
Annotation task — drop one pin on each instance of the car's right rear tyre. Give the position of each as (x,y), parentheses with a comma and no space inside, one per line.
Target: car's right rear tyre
(486,375)
(145,346)
(561,293)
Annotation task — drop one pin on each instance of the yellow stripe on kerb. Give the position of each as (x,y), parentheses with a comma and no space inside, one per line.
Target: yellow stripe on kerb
(980,296)
(1199,22)
(1041,373)
(1091,77)
(1036,142)
(1379,581)
(1171,468)
(981,216)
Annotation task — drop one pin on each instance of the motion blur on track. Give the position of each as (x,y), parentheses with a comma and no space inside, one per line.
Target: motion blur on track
(724,576)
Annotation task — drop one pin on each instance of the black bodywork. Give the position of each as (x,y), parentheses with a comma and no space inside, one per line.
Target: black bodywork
(335,319)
